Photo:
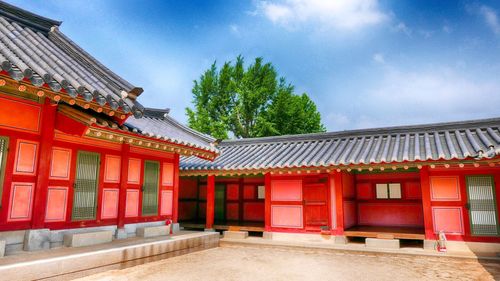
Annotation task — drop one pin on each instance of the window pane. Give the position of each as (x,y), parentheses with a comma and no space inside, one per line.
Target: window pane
(382,191)
(261,192)
(395,190)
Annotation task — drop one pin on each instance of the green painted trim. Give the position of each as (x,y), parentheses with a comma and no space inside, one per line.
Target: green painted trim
(492,181)
(3,162)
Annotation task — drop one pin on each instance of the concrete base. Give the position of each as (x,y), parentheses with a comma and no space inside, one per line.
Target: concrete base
(209,230)
(382,243)
(235,234)
(342,240)
(176,227)
(121,233)
(267,235)
(36,239)
(2,248)
(87,239)
(153,231)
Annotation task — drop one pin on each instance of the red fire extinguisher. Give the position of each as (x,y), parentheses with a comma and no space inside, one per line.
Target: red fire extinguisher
(441,245)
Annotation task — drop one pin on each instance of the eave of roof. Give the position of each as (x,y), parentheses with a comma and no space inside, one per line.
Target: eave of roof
(101,127)
(32,49)
(452,141)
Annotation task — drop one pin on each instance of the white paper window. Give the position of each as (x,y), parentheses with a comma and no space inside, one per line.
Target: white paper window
(395,190)
(261,192)
(382,191)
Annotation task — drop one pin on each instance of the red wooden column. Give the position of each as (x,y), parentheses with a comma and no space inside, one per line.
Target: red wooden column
(49,111)
(122,201)
(210,202)
(175,204)
(426,203)
(267,202)
(339,202)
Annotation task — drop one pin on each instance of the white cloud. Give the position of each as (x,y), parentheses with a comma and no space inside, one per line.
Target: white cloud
(403,97)
(401,27)
(379,58)
(491,18)
(234,29)
(346,15)
(447,29)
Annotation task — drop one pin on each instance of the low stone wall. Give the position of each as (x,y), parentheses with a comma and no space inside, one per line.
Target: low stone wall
(74,263)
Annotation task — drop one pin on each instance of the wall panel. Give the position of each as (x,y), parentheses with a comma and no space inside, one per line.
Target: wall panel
(60,163)
(26,157)
(21,201)
(109,203)
(57,200)
(286,190)
(445,188)
(167,197)
(448,219)
(286,216)
(132,204)
(112,168)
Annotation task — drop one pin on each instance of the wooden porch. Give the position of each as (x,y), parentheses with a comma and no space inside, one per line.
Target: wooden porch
(386,232)
(233,225)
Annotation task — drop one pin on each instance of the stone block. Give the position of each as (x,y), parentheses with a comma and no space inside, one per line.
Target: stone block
(176,228)
(36,239)
(88,238)
(121,233)
(267,235)
(382,243)
(2,248)
(340,239)
(235,234)
(153,231)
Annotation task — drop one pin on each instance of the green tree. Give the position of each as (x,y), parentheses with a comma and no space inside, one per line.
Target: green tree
(251,102)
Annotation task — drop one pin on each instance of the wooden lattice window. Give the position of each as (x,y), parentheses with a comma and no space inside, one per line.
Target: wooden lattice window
(150,188)
(4,145)
(85,188)
(482,206)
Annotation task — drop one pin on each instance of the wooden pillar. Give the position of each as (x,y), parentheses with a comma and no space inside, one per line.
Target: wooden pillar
(338,185)
(267,202)
(49,111)
(210,202)
(122,200)
(426,203)
(175,204)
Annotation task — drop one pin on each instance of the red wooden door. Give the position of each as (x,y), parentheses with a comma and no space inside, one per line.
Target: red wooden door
(315,206)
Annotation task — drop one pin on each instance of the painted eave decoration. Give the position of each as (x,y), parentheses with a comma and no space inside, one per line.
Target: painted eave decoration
(464,144)
(103,128)
(35,57)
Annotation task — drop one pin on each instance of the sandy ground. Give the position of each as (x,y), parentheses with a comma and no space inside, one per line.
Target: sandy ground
(290,264)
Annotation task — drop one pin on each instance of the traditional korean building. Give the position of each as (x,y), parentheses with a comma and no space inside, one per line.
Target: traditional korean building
(77,150)
(406,182)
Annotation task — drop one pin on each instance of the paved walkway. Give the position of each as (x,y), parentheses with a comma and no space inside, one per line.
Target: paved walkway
(260,262)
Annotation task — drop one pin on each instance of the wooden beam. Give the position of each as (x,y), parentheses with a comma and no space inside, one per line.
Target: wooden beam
(175,205)
(426,203)
(210,202)
(122,197)
(267,202)
(46,142)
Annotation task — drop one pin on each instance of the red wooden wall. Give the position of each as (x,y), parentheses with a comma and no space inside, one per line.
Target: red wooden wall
(406,212)
(23,127)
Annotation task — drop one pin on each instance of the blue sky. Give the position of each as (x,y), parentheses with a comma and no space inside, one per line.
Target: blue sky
(365,63)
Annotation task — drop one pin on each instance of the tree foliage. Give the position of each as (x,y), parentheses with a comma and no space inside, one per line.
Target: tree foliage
(236,102)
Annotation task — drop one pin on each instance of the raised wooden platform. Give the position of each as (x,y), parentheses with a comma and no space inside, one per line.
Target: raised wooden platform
(386,232)
(233,226)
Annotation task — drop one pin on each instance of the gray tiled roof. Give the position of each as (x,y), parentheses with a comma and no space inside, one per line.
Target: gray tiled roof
(157,123)
(443,141)
(32,47)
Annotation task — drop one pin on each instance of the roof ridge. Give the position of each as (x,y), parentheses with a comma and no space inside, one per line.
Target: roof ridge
(360,132)
(27,18)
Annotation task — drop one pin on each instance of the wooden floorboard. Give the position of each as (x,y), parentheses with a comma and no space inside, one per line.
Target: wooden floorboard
(386,232)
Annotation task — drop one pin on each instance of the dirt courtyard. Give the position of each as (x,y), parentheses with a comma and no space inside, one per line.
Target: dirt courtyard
(290,264)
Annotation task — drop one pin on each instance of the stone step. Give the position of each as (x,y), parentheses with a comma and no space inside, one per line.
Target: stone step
(153,231)
(230,234)
(87,238)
